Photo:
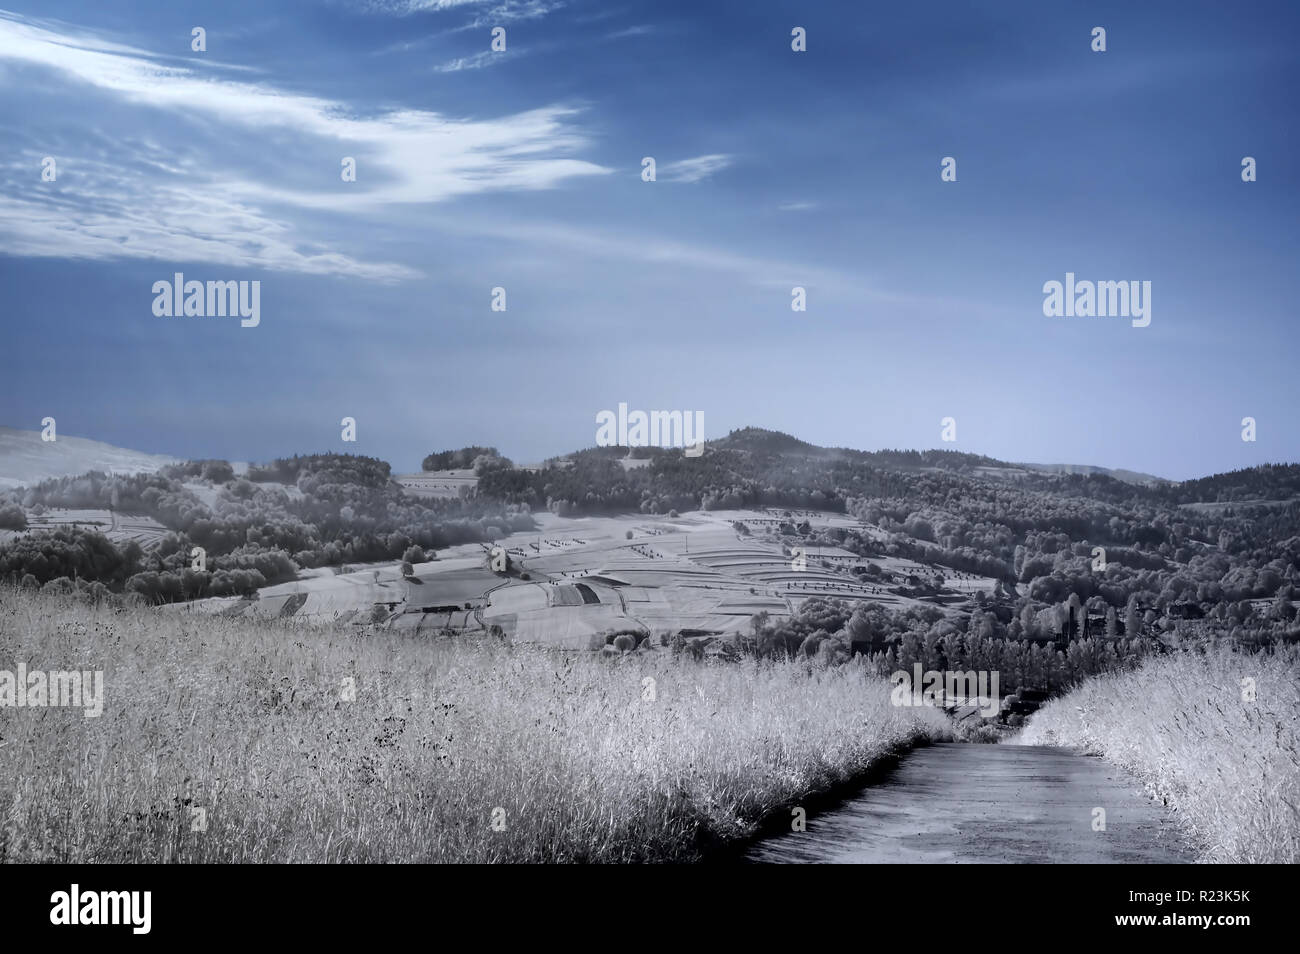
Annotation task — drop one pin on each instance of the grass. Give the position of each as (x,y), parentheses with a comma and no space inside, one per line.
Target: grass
(1229,767)
(247,721)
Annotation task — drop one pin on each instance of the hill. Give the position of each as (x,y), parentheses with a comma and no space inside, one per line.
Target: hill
(26,459)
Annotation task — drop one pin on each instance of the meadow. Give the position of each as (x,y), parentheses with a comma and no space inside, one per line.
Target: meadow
(242,740)
(1220,751)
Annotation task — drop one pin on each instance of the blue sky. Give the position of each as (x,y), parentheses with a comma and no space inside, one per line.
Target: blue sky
(522,169)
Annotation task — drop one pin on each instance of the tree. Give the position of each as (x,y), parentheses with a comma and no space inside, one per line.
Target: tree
(12,517)
(1282,609)
(217,471)
(1132,618)
(407,569)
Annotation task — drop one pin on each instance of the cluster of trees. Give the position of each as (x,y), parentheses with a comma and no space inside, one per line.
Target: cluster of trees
(342,468)
(477,458)
(75,554)
(829,631)
(594,482)
(216,471)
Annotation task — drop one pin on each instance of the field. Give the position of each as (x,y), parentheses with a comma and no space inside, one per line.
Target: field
(118,527)
(693,572)
(438,483)
(1225,759)
(231,740)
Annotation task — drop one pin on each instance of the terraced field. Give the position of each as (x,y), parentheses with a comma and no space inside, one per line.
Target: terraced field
(578,578)
(118,527)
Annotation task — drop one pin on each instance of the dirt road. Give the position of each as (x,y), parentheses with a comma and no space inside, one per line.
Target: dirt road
(966,804)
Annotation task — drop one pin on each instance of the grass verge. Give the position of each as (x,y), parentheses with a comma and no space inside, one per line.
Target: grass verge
(1226,761)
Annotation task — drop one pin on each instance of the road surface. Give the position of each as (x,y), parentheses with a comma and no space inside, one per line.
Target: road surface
(967,804)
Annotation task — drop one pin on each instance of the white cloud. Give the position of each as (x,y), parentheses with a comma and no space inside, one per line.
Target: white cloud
(798,206)
(95,212)
(210,206)
(695,170)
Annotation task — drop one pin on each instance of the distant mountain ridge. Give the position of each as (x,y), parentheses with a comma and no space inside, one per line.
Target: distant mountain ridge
(26,459)
(776,442)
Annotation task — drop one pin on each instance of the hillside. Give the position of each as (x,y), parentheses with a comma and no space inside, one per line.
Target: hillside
(1127,476)
(764,539)
(26,459)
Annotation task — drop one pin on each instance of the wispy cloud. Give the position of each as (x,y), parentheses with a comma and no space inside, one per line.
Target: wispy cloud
(593,243)
(475,62)
(497,12)
(800,206)
(509,11)
(696,169)
(641,30)
(404,8)
(213,202)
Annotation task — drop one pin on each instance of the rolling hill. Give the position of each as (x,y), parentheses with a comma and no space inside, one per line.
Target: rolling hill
(26,459)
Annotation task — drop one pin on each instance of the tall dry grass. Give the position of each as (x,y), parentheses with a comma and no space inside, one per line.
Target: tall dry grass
(1229,767)
(246,721)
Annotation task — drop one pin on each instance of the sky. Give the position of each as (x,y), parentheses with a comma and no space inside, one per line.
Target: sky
(522,169)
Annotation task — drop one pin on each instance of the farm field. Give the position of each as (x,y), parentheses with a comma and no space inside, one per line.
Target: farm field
(118,527)
(438,483)
(575,579)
